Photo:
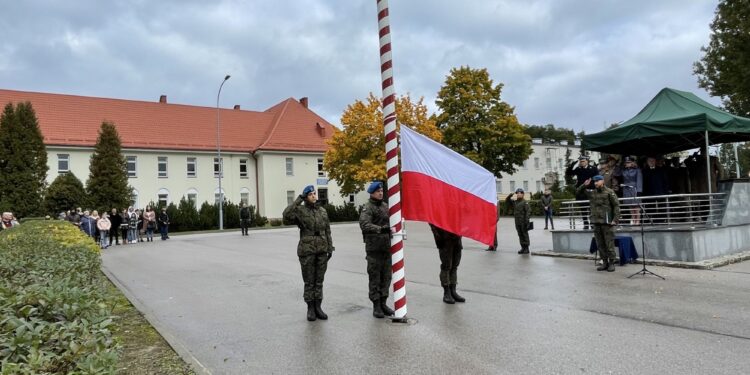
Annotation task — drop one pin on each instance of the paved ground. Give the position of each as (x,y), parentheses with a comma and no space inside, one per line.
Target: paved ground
(233,305)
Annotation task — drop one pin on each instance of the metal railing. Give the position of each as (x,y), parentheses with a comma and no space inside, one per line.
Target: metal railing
(663,211)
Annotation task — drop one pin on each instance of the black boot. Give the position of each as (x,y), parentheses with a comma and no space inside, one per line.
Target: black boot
(524,250)
(603,267)
(447,296)
(455,295)
(611,266)
(377,310)
(311,311)
(387,311)
(319,312)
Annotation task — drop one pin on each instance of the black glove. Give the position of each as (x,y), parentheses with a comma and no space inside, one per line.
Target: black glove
(302,197)
(385,229)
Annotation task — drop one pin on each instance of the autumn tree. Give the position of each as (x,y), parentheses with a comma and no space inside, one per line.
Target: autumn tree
(23,161)
(356,154)
(475,122)
(723,69)
(107,185)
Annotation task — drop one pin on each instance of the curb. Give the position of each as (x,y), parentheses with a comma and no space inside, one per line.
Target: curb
(702,265)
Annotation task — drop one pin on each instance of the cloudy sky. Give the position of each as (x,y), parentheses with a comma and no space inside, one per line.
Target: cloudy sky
(579,64)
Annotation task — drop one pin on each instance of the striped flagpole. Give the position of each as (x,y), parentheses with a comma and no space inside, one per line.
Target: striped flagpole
(391,150)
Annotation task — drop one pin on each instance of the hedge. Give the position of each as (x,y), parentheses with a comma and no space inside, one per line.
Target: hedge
(55,307)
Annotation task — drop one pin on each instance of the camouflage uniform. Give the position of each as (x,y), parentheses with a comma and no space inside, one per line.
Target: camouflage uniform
(315,246)
(605,213)
(376,234)
(449,246)
(521,212)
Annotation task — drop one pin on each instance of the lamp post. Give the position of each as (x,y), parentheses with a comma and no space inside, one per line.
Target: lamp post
(218,151)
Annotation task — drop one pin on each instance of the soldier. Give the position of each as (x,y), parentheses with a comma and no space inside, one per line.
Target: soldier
(605,213)
(376,234)
(244,218)
(449,246)
(583,172)
(314,249)
(521,212)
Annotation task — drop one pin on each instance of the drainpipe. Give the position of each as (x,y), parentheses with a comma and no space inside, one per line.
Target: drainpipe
(257,191)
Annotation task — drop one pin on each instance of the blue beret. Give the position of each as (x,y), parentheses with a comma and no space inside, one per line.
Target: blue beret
(374,186)
(519,190)
(598,177)
(308,189)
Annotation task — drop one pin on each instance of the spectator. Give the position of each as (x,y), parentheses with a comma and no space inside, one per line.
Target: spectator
(115,220)
(95,216)
(104,225)
(8,221)
(632,184)
(88,224)
(141,225)
(547,207)
(149,218)
(654,179)
(132,225)
(124,224)
(164,224)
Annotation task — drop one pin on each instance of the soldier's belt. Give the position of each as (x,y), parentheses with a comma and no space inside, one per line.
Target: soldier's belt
(311,234)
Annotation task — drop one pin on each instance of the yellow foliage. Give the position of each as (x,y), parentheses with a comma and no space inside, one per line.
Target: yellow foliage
(68,235)
(356,155)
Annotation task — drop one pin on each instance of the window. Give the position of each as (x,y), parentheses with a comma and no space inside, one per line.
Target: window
(323,196)
(63,163)
(539,186)
(243,168)
(560,161)
(218,167)
(351,198)
(525,164)
(321,172)
(218,195)
(193,198)
(245,195)
(512,186)
(132,166)
(536,163)
(289,166)
(549,163)
(499,186)
(525,186)
(162,168)
(290,197)
(163,197)
(192,167)
(134,198)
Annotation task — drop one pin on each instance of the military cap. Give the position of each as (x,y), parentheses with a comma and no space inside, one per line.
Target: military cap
(374,186)
(519,190)
(308,189)
(598,177)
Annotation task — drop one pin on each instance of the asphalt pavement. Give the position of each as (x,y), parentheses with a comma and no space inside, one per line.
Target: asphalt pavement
(233,305)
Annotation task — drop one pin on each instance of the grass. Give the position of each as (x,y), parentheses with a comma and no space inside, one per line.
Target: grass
(144,350)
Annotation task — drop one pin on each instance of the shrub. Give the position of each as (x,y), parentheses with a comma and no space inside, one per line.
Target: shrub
(345,212)
(55,309)
(260,221)
(276,222)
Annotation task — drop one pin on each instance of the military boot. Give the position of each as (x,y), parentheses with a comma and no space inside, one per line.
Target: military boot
(603,266)
(318,311)
(311,311)
(387,311)
(524,250)
(455,295)
(377,310)
(611,267)
(447,296)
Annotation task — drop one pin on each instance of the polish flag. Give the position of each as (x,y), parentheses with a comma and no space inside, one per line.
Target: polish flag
(442,187)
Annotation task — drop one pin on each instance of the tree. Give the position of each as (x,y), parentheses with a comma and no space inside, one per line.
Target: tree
(549,133)
(23,162)
(356,154)
(723,69)
(728,161)
(64,193)
(108,176)
(478,124)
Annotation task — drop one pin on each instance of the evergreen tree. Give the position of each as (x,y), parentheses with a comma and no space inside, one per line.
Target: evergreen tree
(723,69)
(108,176)
(23,163)
(64,193)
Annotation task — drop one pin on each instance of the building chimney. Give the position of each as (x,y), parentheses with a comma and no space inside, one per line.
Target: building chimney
(303,101)
(163,99)
(237,107)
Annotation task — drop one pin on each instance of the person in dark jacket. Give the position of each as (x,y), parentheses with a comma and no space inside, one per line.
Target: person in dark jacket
(124,225)
(88,224)
(449,246)
(376,232)
(547,207)
(114,232)
(164,224)
(315,247)
(655,181)
(584,172)
(244,218)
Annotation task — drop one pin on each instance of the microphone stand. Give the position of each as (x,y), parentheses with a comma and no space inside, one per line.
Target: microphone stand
(643,271)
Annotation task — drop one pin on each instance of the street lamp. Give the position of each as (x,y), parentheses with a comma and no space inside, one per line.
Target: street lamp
(218,151)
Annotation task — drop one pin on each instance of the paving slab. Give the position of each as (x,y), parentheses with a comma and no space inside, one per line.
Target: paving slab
(233,305)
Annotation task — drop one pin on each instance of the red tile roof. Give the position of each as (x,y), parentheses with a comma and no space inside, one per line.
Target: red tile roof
(68,120)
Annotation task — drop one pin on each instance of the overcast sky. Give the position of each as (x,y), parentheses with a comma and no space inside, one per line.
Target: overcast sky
(579,64)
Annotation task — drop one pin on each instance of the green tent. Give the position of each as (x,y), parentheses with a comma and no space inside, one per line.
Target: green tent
(673,121)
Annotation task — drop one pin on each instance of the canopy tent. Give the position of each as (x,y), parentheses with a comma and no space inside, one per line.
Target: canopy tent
(672,121)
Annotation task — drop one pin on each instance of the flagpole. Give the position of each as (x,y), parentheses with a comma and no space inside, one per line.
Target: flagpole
(391,153)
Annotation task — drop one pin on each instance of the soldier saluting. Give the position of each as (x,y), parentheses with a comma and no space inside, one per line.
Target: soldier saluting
(605,213)
(584,172)
(376,233)
(314,249)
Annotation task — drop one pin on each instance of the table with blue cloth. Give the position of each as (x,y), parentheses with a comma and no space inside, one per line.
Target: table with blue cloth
(624,244)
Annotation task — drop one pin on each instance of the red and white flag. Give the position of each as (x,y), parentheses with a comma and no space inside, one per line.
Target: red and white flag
(442,187)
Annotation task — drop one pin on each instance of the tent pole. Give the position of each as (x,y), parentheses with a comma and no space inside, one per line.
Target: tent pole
(736,162)
(708,166)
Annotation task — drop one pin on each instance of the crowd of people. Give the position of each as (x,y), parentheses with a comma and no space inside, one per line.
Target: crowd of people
(129,224)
